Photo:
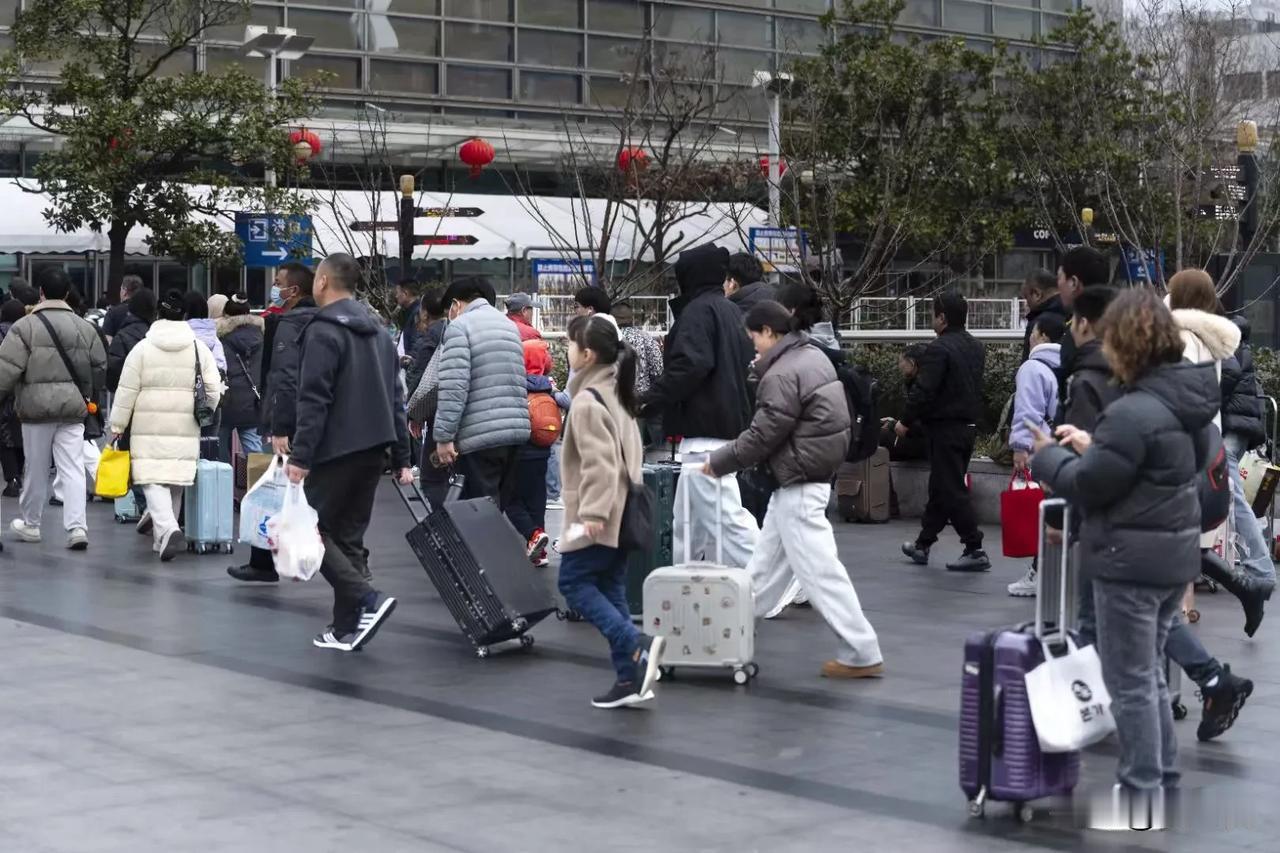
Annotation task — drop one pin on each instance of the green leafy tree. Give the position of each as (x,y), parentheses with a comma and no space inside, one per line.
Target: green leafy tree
(134,140)
(895,149)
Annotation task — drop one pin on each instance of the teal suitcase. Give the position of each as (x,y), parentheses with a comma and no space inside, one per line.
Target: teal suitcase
(209,509)
(660,479)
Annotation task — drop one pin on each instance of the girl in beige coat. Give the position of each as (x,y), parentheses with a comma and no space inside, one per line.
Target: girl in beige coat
(156,403)
(600,461)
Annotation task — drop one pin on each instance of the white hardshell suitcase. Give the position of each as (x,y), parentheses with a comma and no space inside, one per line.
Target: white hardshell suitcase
(705,610)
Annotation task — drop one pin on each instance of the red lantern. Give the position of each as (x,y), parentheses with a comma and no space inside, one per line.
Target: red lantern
(632,158)
(764,167)
(477,154)
(306,144)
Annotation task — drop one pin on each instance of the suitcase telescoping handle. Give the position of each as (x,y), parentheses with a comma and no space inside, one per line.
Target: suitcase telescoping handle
(691,466)
(1055,605)
(412,494)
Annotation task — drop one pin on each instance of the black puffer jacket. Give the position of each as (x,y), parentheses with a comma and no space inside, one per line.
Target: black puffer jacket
(1241,403)
(280,400)
(801,423)
(1090,388)
(241,338)
(1137,483)
(703,387)
(129,332)
(948,386)
(750,295)
(1052,305)
(10,426)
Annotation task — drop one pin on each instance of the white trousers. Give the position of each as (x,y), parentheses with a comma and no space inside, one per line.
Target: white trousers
(164,503)
(60,445)
(797,542)
(706,501)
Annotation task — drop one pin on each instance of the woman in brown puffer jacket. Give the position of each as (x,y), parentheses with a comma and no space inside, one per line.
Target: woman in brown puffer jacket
(801,431)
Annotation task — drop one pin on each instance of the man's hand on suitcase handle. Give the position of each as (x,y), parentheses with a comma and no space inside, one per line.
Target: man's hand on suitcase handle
(404,476)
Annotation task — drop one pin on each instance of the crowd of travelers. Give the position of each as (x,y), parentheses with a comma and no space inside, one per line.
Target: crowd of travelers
(1116,403)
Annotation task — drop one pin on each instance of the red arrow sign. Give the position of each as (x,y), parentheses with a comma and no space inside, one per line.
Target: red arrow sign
(370,225)
(447,240)
(462,212)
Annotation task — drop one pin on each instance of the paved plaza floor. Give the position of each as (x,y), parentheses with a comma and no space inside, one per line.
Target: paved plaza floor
(148,707)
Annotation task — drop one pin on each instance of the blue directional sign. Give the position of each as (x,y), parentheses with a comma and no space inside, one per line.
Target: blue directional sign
(1143,266)
(270,239)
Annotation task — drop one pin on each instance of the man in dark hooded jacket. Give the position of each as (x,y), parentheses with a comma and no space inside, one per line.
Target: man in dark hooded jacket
(703,397)
(745,285)
(1040,292)
(350,413)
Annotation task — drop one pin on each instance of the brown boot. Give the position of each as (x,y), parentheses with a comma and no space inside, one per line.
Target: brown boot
(835,669)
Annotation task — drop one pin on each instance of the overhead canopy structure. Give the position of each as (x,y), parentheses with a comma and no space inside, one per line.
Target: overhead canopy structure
(508,227)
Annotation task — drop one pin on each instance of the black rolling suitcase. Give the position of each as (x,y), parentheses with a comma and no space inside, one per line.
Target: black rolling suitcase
(477,562)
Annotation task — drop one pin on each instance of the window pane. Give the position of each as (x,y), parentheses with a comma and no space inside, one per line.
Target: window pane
(682,23)
(476,41)
(817,7)
(330,29)
(555,13)
(748,30)
(696,61)
(414,78)
(1052,23)
(1015,23)
(966,17)
(404,35)
(615,16)
(479,82)
(182,62)
(1058,5)
(740,66)
(613,54)
(234,31)
(480,10)
(345,71)
(797,36)
(921,12)
(219,59)
(543,47)
(612,92)
(346,4)
(8,8)
(551,88)
(413,7)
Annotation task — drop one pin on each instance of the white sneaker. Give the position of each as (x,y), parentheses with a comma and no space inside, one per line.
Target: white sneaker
(790,597)
(78,539)
(25,532)
(1026,586)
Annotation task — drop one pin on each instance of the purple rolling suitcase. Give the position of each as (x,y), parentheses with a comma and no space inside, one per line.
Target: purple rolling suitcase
(1000,757)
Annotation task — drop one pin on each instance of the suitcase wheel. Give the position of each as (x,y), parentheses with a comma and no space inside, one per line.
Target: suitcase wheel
(482,652)
(1193,616)
(666,672)
(753,669)
(976,808)
(525,641)
(1179,711)
(740,675)
(1023,812)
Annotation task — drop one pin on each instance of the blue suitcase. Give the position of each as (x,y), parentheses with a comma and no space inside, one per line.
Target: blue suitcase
(127,508)
(208,509)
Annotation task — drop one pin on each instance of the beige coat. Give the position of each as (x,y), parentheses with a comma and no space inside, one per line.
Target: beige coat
(595,477)
(157,398)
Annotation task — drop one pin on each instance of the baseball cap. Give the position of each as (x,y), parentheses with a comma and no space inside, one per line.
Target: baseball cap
(518,302)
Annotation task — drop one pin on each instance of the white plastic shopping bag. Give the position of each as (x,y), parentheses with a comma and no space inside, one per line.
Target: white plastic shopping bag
(1070,705)
(260,504)
(296,534)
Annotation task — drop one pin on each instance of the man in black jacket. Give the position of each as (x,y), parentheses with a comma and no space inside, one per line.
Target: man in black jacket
(1081,267)
(281,357)
(1040,292)
(947,399)
(702,395)
(350,412)
(745,285)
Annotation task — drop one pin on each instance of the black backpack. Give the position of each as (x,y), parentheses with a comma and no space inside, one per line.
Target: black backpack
(1214,482)
(862,392)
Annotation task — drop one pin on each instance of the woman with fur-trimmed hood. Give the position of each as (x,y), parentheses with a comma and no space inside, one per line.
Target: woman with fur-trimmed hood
(241,335)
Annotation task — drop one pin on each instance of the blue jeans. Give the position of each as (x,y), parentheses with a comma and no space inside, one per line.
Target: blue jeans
(1254,556)
(594,582)
(553,473)
(250,441)
(1185,649)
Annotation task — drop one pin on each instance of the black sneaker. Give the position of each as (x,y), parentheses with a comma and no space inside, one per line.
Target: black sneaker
(1222,703)
(12,489)
(54,502)
(972,560)
(249,574)
(648,658)
(621,695)
(330,639)
(918,554)
(372,614)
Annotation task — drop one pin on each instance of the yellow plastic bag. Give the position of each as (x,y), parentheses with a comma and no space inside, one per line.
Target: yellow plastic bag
(113,474)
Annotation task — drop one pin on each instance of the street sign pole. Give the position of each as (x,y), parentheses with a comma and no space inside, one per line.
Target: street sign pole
(406,227)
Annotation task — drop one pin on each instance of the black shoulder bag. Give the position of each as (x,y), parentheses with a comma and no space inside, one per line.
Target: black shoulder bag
(636,530)
(206,415)
(93,413)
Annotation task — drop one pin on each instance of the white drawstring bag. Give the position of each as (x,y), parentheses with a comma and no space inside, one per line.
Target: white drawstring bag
(296,534)
(1070,705)
(262,503)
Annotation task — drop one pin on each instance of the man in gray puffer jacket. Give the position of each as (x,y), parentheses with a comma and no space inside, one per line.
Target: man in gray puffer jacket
(482,419)
(801,430)
(52,403)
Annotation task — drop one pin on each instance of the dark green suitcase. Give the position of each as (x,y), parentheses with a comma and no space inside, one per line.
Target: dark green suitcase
(660,479)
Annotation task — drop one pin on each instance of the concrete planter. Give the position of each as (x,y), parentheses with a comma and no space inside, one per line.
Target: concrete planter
(911,481)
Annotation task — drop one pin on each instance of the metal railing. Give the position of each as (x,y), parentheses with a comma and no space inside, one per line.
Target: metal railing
(871,318)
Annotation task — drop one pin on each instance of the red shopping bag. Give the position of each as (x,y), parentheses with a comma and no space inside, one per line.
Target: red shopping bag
(1020,516)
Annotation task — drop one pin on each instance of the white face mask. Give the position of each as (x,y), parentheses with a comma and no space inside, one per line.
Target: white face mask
(276,298)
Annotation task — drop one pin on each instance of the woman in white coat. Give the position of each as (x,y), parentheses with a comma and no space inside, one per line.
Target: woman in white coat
(156,403)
